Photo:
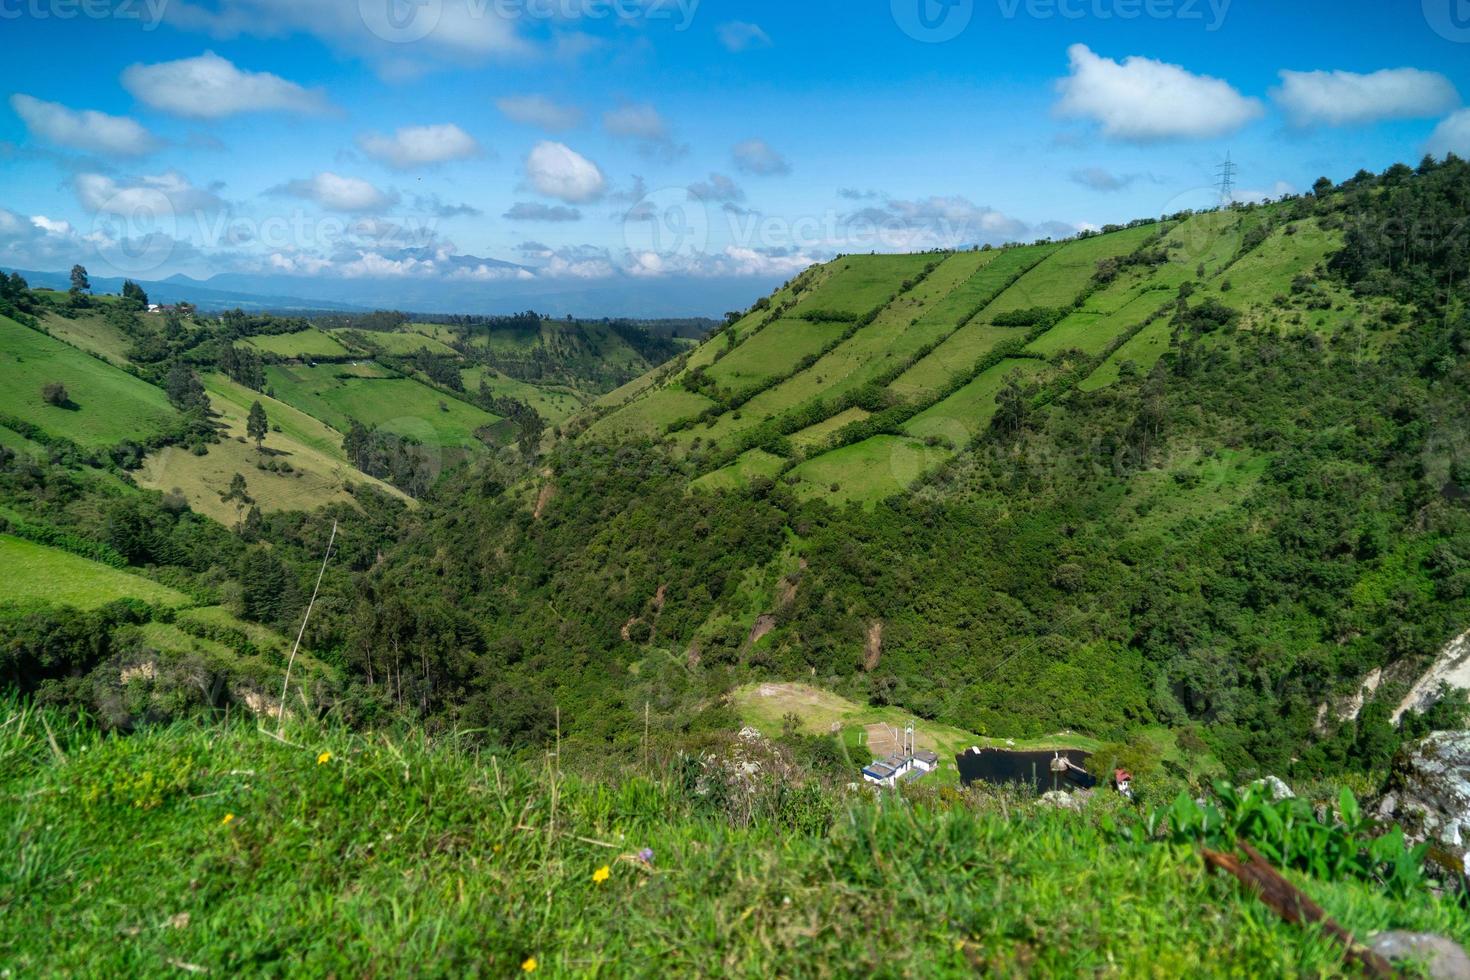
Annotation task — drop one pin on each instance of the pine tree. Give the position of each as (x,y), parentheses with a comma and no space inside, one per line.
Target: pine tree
(257,425)
(79,281)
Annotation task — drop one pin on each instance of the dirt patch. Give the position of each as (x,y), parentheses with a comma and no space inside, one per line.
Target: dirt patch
(884,740)
(762,625)
(873,649)
(548,491)
(789,585)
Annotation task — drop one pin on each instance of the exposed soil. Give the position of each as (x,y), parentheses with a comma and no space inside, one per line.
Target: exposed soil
(873,649)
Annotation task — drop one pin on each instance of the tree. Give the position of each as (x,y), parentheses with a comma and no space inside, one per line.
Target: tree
(184,390)
(257,425)
(133,291)
(79,281)
(54,393)
(238,491)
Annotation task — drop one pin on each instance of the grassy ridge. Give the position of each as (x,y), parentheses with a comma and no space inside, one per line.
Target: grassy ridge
(220,849)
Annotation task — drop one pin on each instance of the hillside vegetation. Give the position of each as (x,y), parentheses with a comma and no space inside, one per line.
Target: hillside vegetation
(327,853)
(1204,473)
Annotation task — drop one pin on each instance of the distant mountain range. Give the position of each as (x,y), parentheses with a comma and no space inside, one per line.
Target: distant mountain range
(616,297)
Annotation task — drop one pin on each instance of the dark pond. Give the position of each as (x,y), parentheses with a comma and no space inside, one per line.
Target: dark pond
(1032,768)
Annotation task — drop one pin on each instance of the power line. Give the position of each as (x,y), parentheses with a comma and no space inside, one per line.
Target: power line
(1226,175)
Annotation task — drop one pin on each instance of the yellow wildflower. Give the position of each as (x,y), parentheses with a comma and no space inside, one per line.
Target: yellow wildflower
(324,758)
(229,818)
(530,965)
(601,874)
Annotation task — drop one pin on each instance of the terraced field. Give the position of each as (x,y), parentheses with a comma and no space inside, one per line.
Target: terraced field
(650,415)
(106,404)
(858,283)
(867,471)
(771,351)
(1057,280)
(756,462)
(938,327)
(966,413)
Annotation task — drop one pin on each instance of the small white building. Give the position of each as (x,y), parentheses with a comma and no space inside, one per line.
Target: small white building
(904,765)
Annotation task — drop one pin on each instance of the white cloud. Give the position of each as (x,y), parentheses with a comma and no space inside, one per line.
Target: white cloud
(1341,98)
(936,221)
(643,124)
(718,188)
(640,122)
(1099,179)
(83,129)
(52,226)
(1142,100)
(382,29)
(420,146)
(161,195)
(1452,135)
(337,193)
(539,111)
(756,156)
(211,87)
(542,212)
(738,36)
(556,170)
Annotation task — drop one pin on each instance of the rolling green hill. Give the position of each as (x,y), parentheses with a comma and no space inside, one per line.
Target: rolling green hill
(104,406)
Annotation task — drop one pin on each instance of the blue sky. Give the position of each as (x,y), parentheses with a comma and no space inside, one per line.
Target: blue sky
(505,141)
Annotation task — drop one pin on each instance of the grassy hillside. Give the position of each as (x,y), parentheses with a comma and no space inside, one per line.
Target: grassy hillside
(399,405)
(332,853)
(301,467)
(105,405)
(36,573)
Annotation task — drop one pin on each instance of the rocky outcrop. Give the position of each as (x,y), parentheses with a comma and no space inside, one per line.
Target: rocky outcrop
(1439,958)
(1428,792)
(1451,669)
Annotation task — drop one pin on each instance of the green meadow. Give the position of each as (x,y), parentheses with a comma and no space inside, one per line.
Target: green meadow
(37,573)
(402,406)
(106,404)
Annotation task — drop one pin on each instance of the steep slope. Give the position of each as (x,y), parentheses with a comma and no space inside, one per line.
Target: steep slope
(1199,474)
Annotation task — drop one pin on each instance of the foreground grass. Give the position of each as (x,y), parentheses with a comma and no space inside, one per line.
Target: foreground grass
(222,849)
